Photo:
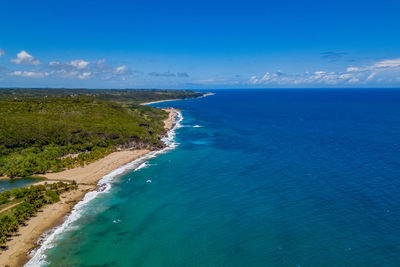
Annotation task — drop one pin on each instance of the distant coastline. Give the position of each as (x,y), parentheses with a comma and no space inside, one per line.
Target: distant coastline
(168,100)
(159,101)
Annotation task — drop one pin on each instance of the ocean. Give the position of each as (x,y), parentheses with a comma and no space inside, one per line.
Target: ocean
(300,177)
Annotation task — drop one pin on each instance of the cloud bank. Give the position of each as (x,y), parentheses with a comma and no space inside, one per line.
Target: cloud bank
(384,71)
(169,74)
(380,73)
(75,69)
(79,69)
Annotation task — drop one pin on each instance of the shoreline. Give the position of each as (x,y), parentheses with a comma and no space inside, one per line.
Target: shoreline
(52,216)
(175,99)
(159,101)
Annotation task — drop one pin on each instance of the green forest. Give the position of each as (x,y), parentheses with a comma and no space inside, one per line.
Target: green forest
(45,130)
(27,202)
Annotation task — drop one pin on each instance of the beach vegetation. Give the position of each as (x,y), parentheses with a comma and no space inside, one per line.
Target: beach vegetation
(23,203)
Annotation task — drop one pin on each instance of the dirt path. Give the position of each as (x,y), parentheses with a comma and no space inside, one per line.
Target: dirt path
(9,207)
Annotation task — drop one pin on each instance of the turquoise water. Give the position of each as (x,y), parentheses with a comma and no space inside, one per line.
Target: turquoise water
(16,183)
(270,178)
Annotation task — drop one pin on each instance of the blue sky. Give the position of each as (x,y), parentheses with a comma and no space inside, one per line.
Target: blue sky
(202,44)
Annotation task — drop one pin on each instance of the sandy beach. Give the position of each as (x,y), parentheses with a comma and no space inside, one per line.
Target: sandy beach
(53,215)
(159,101)
(169,122)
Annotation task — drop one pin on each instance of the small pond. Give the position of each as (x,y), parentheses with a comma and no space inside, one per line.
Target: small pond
(18,182)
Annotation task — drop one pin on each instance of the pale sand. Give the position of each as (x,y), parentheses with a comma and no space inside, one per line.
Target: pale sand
(53,215)
(93,172)
(169,122)
(159,101)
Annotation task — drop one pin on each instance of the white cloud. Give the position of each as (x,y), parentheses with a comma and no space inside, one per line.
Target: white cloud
(24,58)
(389,63)
(345,76)
(65,73)
(79,63)
(319,73)
(350,69)
(1,52)
(383,64)
(371,76)
(277,78)
(83,69)
(74,69)
(353,80)
(30,74)
(267,77)
(122,70)
(253,80)
(85,75)
(54,63)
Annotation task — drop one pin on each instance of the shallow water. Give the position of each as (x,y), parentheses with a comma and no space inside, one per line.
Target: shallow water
(270,178)
(16,183)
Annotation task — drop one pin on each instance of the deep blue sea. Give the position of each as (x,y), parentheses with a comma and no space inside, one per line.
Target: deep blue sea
(270,178)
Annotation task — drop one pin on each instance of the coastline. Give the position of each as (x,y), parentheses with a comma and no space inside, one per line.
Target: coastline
(176,99)
(88,179)
(159,101)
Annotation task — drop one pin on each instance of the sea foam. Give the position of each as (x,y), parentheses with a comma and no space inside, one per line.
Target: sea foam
(103,186)
(142,166)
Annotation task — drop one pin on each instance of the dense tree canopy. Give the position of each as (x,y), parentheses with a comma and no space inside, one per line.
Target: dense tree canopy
(29,201)
(42,130)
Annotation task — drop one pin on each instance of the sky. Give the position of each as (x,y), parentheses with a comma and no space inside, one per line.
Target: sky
(200,44)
